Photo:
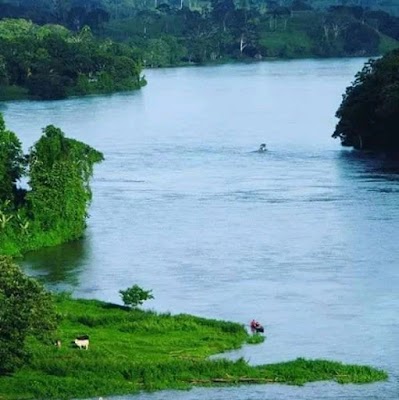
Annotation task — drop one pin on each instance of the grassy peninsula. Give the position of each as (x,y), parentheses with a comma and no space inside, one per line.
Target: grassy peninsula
(134,350)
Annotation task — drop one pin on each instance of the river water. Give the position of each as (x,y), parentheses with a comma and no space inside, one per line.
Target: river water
(302,238)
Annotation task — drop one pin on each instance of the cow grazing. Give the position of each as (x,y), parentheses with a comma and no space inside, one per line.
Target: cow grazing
(57,343)
(82,342)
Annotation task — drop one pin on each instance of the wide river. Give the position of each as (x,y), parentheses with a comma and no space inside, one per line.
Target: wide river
(303,238)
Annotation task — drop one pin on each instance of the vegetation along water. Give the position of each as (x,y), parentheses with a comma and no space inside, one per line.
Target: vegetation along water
(38,348)
(53,208)
(56,49)
(130,350)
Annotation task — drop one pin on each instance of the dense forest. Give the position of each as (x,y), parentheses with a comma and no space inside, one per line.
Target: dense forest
(369,113)
(53,208)
(173,32)
(51,62)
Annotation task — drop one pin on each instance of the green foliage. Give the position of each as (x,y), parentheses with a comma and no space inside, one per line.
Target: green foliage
(173,33)
(60,169)
(216,30)
(26,309)
(369,113)
(255,339)
(135,350)
(135,296)
(53,63)
(54,209)
(11,163)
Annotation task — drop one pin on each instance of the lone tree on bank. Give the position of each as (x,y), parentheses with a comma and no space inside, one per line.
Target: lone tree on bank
(135,296)
(369,112)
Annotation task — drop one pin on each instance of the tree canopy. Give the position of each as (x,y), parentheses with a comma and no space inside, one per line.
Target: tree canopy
(170,32)
(54,207)
(51,62)
(369,112)
(26,309)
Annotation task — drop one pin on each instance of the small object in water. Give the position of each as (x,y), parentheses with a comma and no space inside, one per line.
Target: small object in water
(262,148)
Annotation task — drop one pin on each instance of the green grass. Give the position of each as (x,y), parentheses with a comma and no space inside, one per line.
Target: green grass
(133,350)
(255,339)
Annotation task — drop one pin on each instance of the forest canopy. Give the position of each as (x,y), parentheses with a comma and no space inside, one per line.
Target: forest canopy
(369,113)
(172,32)
(51,62)
(53,209)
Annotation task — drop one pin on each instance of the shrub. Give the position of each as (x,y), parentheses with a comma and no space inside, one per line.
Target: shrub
(135,296)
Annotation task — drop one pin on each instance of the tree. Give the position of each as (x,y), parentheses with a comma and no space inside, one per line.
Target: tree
(54,209)
(360,39)
(12,162)
(135,296)
(60,169)
(369,112)
(26,309)
(222,10)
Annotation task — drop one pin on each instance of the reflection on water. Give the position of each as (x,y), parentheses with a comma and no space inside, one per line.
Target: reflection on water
(370,165)
(59,266)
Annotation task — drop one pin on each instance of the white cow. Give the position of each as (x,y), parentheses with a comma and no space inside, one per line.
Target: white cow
(82,343)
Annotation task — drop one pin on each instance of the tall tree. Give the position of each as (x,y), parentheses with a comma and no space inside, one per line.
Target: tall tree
(60,169)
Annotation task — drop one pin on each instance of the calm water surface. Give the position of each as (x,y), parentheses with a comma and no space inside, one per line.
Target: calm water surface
(302,238)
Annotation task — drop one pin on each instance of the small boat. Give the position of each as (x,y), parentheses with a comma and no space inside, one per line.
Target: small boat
(262,148)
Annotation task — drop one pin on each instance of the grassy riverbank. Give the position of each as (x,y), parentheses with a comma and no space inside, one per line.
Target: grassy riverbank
(133,350)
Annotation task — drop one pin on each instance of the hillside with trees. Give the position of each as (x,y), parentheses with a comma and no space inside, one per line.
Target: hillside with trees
(369,113)
(174,32)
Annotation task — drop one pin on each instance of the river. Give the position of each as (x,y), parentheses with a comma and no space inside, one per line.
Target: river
(303,237)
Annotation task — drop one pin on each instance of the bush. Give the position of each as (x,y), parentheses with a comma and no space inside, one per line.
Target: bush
(26,309)
(135,296)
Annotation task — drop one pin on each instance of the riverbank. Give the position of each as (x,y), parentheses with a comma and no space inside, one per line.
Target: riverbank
(13,92)
(387,44)
(134,350)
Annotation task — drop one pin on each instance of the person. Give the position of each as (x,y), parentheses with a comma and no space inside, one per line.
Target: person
(256,326)
(262,148)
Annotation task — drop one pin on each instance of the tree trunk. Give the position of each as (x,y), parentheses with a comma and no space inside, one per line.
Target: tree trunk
(243,43)
(326,29)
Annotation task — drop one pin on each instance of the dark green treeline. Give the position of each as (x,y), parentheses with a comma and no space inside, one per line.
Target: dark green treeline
(51,62)
(369,113)
(173,32)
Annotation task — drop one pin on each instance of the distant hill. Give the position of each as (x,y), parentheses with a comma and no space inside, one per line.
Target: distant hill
(389,6)
(173,32)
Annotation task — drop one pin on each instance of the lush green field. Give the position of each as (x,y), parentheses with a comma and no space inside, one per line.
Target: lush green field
(133,350)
